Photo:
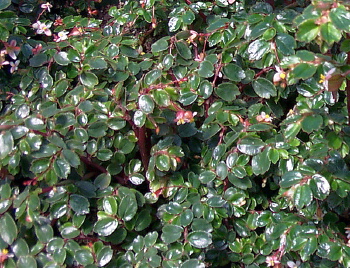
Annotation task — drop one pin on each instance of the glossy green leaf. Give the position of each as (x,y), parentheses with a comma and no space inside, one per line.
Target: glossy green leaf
(290,178)
(171,233)
(308,31)
(38,60)
(84,257)
(146,104)
(340,17)
(88,79)
(264,88)
(250,145)
(163,162)
(97,63)
(285,43)
(206,69)
(106,226)
(330,33)
(9,228)
(261,162)
(152,76)
(199,239)
(183,50)
(304,70)
(104,256)
(320,187)
(26,261)
(227,91)
(159,45)
(257,49)
(127,208)
(207,176)
(234,72)
(6,144)
(62,58)
(79,204)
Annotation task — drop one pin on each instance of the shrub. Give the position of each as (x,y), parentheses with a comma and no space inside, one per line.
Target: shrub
(174,133)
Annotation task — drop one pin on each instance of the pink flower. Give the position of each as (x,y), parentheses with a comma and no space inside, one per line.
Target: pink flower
(61,36)
(183,117)
(46,6)
(37,49)
(14,66)
(42,28)
(11,49)
(272,260)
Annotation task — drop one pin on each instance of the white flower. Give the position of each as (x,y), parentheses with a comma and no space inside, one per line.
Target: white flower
(46,6)
(292,264)
(263,117)
(14,66)
(62,36)
(42,28)
(347,232)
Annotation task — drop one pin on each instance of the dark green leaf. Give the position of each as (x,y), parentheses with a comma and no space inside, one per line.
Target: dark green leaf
(307,31)
(264,88)
(257,49)
(250,145)
(171,233)
(290,178)
(234,72)
(106,226)
(62,58)
(206,69)
(341,18)
(79,204)
(183,50)
(9,228)
(199,239)
(88,79)
(6,144)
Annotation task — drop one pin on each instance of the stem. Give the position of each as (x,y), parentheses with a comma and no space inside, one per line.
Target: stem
(143,142)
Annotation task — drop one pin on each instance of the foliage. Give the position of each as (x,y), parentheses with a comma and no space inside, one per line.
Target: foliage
(174,133)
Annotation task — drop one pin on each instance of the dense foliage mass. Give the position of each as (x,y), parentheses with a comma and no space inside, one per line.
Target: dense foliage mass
(181,133)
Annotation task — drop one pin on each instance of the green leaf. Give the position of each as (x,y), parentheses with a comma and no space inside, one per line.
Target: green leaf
(307,31)
(84,257)
(341,18)
(8,228)
(61,167)
(183,50)
(186,217)
(302,196)
(44,232)
(174,24)
(6,144)
(171,233)
(97,129)
(227,91)
(97,63)
(70,231)
(199,239)
(152,76)
(62,58)
(206,69)
(312,122)
(320,186)
(146,104)
(4,4)
(26,261)
(40,165)
(205,89)
(139,118)
(264,88)
(71,157)
(102,181)
(290,178)
(159,45)
(105,226)
(257,49)
(88,79)
(38,60)
(207,176)
(79,204)
(329,33)
(261,162)
(104,256)
(35,123)
(188,17)
(292,130)
(233,72)
(127,208)
(163,162)
(188,98)
(250,145)
(161,97)
(304,70)
(110,205)
(285,43)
